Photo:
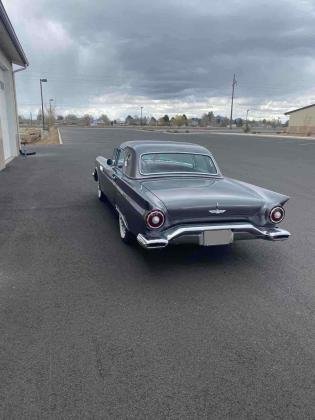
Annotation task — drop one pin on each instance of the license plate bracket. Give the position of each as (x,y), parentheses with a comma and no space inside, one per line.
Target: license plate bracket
(217,237)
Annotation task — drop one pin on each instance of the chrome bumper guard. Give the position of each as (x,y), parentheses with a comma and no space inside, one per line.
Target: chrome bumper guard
(270,234)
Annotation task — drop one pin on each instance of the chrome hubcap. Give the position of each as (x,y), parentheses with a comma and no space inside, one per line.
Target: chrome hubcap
(122,227)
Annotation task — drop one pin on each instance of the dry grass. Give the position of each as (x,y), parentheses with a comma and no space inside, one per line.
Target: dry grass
(51,138)
(30,135)
(34,135)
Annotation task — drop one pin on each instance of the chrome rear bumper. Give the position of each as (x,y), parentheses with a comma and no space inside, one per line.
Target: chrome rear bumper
(240,231)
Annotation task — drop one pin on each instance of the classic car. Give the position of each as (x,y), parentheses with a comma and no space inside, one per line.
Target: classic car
(173,192)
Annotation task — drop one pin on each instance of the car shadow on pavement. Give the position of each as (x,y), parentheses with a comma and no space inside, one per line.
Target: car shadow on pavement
(227,256)
(199,255)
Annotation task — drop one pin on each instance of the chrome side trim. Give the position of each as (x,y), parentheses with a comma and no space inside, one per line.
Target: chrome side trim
(271,234)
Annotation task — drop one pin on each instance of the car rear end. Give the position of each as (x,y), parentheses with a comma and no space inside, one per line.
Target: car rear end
(211,212)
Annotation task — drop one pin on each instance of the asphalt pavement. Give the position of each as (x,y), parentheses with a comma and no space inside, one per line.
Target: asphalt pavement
(93,329)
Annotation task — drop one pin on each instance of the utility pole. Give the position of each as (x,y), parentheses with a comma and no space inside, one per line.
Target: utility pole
(50,101)
(41,95)
(50,113)
(141,115)
(232,100)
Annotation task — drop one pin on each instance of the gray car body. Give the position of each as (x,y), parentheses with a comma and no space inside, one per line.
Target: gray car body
(185,199)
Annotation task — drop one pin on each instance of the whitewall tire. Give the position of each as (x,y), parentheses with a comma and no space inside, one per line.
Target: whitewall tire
(100,193)
(125,235)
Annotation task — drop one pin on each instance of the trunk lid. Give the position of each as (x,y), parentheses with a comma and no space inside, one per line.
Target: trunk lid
(193,200)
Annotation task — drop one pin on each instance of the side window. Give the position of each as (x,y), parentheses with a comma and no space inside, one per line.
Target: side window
(115,151)
(127,162)
(120,157)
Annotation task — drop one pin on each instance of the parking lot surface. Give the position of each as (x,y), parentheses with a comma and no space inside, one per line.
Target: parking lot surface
(93,329)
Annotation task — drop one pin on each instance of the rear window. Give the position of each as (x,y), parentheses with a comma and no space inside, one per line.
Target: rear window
(161,163)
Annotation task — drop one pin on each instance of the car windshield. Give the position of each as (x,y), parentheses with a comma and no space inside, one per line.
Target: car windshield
(161,163)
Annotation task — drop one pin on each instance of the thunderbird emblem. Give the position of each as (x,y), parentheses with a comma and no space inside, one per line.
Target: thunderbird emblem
(217,210)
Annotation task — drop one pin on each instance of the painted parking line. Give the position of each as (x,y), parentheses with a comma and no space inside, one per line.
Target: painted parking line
(59,135)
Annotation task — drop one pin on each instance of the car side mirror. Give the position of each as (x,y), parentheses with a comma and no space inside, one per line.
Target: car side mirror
(109,162)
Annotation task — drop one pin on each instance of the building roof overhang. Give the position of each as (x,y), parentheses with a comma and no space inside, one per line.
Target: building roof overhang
(9,42)
(298,109)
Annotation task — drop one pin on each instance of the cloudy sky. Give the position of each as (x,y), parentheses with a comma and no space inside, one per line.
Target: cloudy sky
(169,56)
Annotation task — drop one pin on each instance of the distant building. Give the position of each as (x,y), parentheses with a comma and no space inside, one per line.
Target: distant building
(302,121)
(10,53)
(194,122)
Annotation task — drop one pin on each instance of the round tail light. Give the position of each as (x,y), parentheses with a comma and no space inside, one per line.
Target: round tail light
(155,219)
(276,215)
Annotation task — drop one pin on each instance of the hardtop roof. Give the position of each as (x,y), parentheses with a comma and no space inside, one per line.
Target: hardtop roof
(163,146)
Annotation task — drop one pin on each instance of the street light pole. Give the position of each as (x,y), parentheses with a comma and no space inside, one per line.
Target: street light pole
(141,115)
(41,95)
(246,122)
(247,115)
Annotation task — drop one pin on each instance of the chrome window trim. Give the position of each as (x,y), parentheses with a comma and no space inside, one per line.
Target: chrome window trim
(181,172)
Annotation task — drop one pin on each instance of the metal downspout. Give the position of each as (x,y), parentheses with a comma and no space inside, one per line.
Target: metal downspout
(16,108)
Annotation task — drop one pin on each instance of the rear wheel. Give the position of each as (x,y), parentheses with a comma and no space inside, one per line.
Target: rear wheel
(125,235)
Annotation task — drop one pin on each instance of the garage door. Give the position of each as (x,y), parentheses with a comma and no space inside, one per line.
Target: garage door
(4,119)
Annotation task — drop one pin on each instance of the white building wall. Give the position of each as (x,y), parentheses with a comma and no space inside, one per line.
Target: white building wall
(9,145)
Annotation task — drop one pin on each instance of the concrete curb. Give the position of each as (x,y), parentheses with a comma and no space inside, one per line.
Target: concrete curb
(210,132)
(276,136)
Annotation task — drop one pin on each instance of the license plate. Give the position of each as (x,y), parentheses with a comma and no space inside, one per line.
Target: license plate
(217,237)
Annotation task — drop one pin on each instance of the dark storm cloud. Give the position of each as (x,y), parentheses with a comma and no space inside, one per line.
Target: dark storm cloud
(168,50)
